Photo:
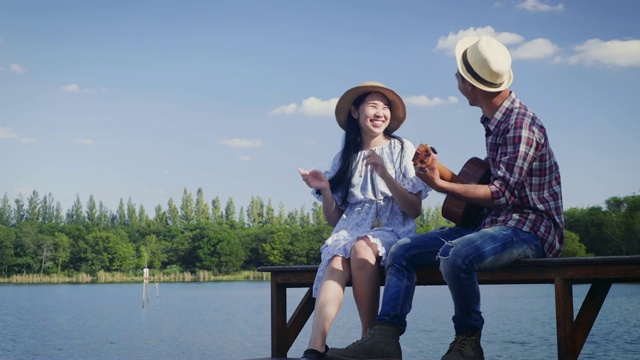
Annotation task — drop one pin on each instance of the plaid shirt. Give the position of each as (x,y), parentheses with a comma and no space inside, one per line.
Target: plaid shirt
(525,178)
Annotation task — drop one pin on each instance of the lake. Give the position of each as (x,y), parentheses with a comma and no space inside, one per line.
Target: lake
(231,320)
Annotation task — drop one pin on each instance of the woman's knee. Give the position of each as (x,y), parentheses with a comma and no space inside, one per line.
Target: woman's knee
(364,249)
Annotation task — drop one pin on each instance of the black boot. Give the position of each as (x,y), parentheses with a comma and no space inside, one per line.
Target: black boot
(382,342)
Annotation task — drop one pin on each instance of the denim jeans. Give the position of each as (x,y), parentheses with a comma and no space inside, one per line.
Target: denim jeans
(461,253)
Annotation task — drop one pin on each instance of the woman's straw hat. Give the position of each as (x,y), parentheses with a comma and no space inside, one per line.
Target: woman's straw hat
(485,63)
(398,109)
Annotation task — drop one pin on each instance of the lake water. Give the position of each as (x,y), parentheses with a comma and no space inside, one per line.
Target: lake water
(231,320)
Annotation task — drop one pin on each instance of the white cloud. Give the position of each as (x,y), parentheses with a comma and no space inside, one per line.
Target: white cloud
(539,6)
(422,100)
(83,141)
(316,107)
(241,143)
(18,69)
(284,110)
(245,158)
(311,106)
(620,53)
(70,88)
(535,49)
(6,133)
(73,88)
(448,43)
(615,53)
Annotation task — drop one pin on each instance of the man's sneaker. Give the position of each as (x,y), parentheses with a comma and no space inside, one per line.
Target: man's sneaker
(465,347)
(382,342)
(313,354)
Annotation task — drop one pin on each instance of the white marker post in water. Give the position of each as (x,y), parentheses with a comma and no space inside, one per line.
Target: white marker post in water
(145,285)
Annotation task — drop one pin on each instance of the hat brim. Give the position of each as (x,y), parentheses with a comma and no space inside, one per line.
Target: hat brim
(398,108)
(461,46)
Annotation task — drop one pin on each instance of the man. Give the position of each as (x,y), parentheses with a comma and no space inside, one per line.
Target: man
(522,217)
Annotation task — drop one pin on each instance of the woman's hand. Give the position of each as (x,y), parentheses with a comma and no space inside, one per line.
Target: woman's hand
(377,164)
(315,179)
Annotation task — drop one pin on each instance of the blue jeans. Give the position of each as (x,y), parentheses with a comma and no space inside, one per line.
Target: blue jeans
(461,253)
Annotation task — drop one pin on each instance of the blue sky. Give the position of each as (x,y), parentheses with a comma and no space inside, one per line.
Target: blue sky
(142,99)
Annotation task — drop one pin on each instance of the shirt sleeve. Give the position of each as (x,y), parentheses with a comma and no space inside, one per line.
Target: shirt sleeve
(517,151)
(410,181)
(333,169)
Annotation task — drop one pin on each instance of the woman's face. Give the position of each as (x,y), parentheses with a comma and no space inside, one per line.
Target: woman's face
(373,114)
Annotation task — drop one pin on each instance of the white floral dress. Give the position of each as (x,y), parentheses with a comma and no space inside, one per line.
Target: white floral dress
(360,211)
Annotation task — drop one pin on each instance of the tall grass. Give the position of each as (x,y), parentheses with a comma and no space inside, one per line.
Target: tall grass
(118,277)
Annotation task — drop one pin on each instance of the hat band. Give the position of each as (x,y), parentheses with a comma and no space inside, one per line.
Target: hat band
(475,75)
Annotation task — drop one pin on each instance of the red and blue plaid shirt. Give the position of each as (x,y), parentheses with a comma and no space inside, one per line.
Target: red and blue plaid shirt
(525,178)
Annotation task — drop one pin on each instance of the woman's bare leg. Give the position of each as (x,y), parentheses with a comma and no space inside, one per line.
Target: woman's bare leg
(329,300)
(365,281)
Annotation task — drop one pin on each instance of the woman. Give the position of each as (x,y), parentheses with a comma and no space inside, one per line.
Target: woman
(371,196)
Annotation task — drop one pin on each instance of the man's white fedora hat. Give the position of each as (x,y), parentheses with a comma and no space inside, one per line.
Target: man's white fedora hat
(484,62)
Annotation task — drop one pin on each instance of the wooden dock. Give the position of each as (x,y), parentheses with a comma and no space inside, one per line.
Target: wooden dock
(572,333)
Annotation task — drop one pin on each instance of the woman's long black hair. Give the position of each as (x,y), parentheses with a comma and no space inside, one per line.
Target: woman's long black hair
(352,144)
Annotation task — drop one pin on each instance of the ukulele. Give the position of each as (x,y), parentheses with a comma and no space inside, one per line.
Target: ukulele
(474,171)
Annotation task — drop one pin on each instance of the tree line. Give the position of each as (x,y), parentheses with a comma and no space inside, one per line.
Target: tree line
(36,237)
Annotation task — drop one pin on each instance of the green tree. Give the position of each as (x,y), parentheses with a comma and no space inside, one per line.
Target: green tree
(154,248)
(282,215)
(57,214)
(121,214)
(75,215)
(202,209)
(7,257)
(241,220)
(48,209)
(270,214)
(132,214)
(92,211)
(292,219)
(317,214)
(187,208)
(103,219)
(61,251)
(33,212)
(160,219)
(216,211)
(19,214)
(255,212)
(572,246)
(173,215)
(218,249)
(26,248)
(6,213)
(594,226)
(276,250)
(230,214)
(304,219)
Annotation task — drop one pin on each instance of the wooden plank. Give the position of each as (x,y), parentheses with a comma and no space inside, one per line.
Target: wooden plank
(589,311)
(565,325)
(300,317)
(279,331)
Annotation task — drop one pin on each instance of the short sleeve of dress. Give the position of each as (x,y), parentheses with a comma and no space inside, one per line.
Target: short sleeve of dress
(335,165)
(412,183)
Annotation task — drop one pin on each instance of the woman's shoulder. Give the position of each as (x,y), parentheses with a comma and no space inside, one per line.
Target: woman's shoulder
(400,143)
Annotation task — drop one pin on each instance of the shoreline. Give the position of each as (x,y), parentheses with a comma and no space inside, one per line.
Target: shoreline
(122,278)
